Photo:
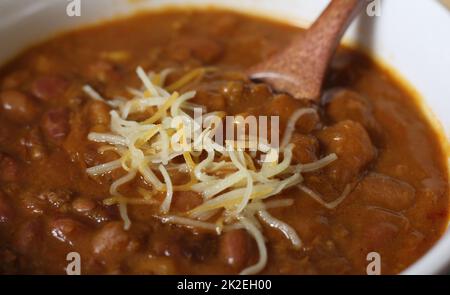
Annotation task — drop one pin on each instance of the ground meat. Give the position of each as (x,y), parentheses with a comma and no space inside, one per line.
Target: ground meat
(351,143)
(345,104)
(305,148)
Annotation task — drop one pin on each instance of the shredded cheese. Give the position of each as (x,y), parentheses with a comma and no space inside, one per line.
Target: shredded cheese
(237,186)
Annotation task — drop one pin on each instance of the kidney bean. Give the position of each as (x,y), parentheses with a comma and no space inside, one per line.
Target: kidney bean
(235,248)
(48,88)
(55,123)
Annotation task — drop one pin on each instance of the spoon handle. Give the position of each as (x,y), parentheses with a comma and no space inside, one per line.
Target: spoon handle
(301,67)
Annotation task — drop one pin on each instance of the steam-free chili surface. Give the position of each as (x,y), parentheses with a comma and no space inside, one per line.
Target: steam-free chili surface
(49,206)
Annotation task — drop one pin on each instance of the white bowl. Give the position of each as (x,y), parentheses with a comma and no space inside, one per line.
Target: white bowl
(410,36)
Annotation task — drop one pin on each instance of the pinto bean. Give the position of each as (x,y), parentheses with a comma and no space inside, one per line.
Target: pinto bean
(98,114)
(48,88)
(9,168)
(6,210)
(88,208)
(83,205)
(55,123)
(386,192)
(67,230)
(379,235)
(235,248)
(18,107)
(112,242)
(34,145)
(350,141)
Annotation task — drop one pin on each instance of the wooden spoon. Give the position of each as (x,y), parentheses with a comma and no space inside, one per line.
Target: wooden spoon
(300,68)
